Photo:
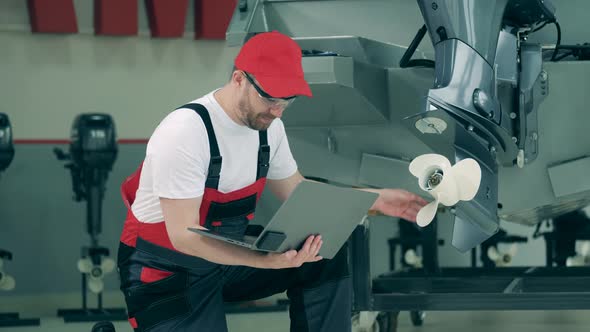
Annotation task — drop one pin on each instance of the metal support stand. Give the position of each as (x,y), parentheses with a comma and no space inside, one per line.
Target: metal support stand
(91,188)
(449,289)
(560,242)
(410,237)
(500,237)
(99,313)
(364,316)
(426,239)
(361,269)
(551,238)
(9,319)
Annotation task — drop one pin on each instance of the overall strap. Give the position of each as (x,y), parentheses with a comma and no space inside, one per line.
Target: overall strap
(263,155)
(215,161)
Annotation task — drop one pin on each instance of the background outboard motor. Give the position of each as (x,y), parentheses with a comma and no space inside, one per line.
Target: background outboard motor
(92,153)
(7,282)
(6,146)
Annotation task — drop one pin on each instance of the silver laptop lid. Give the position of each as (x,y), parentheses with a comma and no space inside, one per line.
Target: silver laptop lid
(318,208)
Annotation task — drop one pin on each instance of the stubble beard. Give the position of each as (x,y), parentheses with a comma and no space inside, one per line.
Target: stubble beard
(253,120)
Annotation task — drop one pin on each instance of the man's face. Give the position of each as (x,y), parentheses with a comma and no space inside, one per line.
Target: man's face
(258,112)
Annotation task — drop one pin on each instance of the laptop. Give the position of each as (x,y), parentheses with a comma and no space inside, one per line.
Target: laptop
(312,208)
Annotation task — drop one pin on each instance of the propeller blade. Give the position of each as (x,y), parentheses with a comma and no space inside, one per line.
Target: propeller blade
(446,191)
(107,265)
(575,261)
(419,262)
(410,256)
(84,265)
(513,250)
(427,213)
(467,174)
(422,163)
(95,285)
(7,283)
(493,254)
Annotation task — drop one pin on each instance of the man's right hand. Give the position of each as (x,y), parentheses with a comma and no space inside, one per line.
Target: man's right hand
(293,258)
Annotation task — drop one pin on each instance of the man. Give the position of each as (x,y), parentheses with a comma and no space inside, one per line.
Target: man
(206,165)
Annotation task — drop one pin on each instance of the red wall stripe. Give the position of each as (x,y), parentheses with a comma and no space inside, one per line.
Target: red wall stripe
(52,16)
(212,18)
(115,17)
(132,141)
(167,17)
(41,141)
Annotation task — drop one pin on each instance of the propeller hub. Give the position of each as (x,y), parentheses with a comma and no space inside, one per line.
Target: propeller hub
(434,179)
(96,272)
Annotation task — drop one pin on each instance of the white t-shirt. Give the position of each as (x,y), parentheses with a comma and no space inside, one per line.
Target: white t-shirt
(177,157)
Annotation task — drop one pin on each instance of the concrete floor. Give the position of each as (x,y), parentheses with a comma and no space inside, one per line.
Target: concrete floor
(480,321)
(45,307)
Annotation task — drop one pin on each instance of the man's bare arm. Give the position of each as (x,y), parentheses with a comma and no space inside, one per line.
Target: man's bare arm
(282,189)
(391,202)
(179,214)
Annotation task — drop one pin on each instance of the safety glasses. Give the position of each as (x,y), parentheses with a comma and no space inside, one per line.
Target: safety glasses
(267,99)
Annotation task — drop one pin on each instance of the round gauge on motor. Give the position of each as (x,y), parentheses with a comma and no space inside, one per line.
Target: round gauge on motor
(431,125)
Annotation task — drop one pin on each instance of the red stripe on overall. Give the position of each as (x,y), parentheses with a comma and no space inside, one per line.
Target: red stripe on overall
(156,232)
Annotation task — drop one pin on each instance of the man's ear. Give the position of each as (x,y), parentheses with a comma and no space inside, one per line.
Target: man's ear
(237,77)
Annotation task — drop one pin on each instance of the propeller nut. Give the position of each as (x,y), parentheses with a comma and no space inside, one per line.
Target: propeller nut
(434,179)
(96,272)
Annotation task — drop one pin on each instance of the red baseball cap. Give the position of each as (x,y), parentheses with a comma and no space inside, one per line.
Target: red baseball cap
(274,59)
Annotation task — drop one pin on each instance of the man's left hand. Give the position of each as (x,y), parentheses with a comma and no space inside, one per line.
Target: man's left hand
(399,203)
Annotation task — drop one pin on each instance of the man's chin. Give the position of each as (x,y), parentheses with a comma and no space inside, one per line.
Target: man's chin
(261,124)
(260,127)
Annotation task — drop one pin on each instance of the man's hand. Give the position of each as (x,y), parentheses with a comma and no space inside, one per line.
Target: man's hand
(293,258)
(399,203)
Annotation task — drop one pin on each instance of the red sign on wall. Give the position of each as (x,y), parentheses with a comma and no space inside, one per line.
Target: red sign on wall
(212,18)
(52,16)
(166,18)
(115,17)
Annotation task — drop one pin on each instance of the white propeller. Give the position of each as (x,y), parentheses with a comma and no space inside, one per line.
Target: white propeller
(96,272)
(412,258)
(6,282)
(447,184)
(582,258)
(502,258)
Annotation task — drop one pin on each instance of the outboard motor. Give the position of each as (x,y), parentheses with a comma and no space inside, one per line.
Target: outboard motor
(7,282)
(6,146)
(92,153)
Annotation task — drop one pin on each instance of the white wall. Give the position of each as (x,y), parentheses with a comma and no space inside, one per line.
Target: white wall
(48,79)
